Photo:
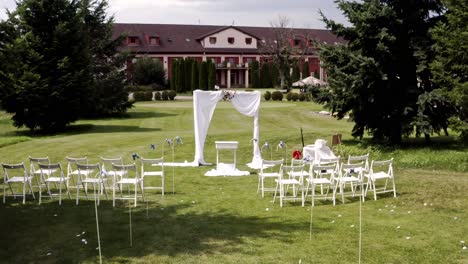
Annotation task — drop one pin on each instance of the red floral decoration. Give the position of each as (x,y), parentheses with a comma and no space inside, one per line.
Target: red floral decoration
(297,154)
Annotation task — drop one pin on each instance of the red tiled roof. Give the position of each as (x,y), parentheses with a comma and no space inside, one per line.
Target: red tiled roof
(184,38)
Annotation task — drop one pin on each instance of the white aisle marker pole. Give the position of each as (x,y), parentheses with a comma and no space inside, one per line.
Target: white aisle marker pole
(97,226)
(130,222)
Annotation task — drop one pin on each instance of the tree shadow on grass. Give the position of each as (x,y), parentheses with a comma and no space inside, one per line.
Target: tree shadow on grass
(135,115)
(437,143)
(159,231)
(86,129)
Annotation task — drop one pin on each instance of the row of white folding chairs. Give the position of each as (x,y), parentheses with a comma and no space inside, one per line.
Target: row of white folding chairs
(86,174)
(329,173)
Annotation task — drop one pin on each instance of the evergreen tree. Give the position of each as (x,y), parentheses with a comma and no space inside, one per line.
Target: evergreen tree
(173,75)
(295,76)
(148,71)
(316,74)
(305,70)
(203,76)
(66,63)
(265,75)
(374,77)
(188,74)
(194,81)
(275,81)
(180,75)
(450,67)
(255,75)
(211,75)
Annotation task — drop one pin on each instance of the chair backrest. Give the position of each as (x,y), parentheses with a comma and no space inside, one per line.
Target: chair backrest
(126,168)
(271,165)
(16,168)
(318,170)
(357,159)
(107,163)
(382,166)
(50,170)
(291,170)
(33,162)
(84,169)
(156,162)
(72,162)
(349,169)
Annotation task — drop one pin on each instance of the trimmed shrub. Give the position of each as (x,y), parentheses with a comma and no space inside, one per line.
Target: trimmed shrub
(165,95)
(267,95)
(157,96)
(289,96)
(147,71)
(295,96)
(277,96)
(143,96)
(157,87)
(302,97)
(171,94)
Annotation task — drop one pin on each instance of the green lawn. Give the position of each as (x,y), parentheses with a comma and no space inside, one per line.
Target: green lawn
(222,219)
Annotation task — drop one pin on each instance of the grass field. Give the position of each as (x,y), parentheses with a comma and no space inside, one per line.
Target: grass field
(222,219)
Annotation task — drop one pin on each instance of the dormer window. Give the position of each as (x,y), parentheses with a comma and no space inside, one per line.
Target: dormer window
(212,40)
(248,41)
(230,40)
(133,41)
(154,41)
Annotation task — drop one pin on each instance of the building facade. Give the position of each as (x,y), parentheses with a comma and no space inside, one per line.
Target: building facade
(231,48)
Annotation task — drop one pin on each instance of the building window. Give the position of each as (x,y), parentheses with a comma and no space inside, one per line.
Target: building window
(212,40)
(249,60)
(154,41)
(248,41)
(132,41)
(297,42)
(231,40)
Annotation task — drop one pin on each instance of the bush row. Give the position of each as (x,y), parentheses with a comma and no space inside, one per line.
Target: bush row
(278,96)
(158,96)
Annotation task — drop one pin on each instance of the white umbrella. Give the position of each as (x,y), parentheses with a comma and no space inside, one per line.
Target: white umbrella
(309,81)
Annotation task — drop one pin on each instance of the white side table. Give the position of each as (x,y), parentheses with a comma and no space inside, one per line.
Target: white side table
(232,145)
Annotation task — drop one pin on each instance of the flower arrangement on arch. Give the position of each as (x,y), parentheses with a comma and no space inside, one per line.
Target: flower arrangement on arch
(228,95)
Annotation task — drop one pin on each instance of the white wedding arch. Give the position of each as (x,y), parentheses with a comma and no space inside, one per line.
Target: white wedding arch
(204,104)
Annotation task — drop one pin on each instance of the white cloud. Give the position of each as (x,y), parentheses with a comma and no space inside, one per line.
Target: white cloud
(302,13)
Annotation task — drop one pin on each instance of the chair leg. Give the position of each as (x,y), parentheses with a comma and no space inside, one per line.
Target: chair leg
(31,188)
(60,194)
(263,187)
(4,193)
(24,192)
(394,189)
(274,196)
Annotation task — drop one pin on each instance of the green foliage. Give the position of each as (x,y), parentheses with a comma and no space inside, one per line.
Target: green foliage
(302,97)
(277,96)
(173,81)
(157,96)
(194,82)
(267,95)
(180,79)
(305,70)
(274,73)
(187,74)
(165,95)
(203,76)
(450,67)
(171,94)
(143,96)
(316,74)
(65,64)
(296,74)
(255,75)
(211,75)
(374,77)
(148,71)
(319,94)
(265,75)
(292,96)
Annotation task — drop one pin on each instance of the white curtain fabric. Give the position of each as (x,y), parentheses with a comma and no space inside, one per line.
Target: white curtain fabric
(204,104)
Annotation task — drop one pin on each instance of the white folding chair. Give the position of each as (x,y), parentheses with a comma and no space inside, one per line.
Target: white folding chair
(380,170)
(328,161)
(352,174)
(136,181)
(283,182)
(53,174)
(268,169)
(16,174)
(157,170)
(72,169)
(358,159)
(108,171)
(90,174)
(34,168)
(299,162)
(322,175)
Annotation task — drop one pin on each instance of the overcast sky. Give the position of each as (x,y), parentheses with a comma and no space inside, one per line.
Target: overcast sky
(301,13)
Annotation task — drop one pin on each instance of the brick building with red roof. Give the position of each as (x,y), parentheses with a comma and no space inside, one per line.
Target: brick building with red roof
(232,48)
